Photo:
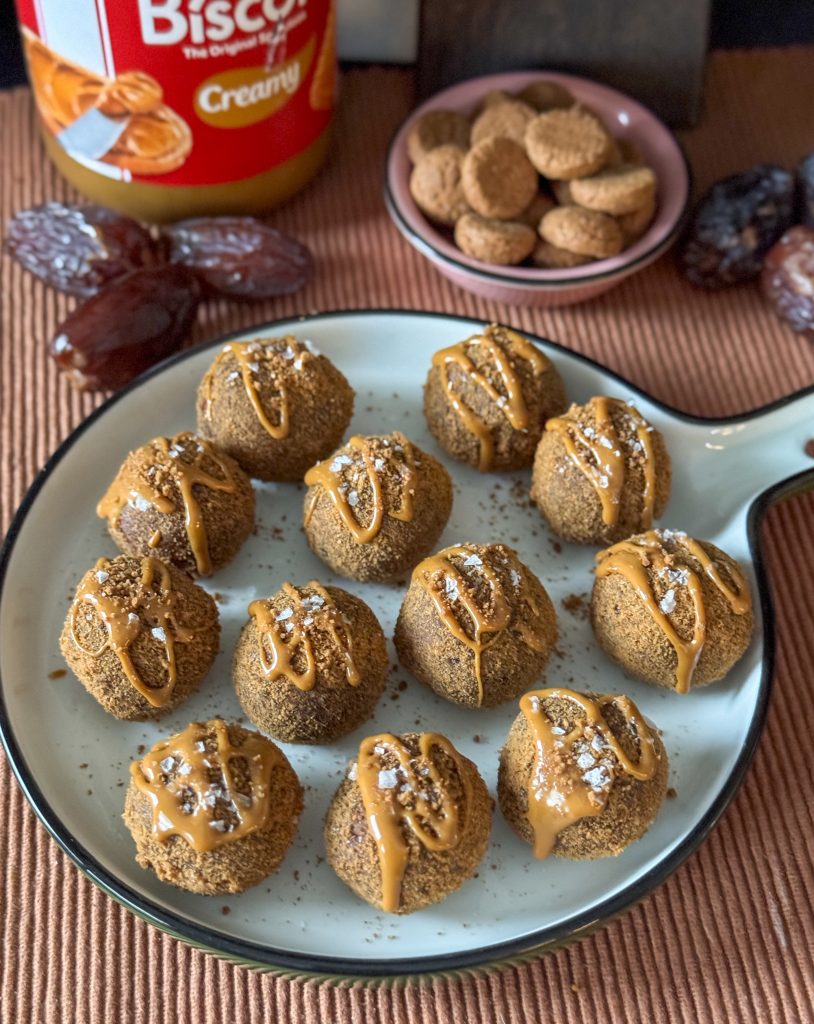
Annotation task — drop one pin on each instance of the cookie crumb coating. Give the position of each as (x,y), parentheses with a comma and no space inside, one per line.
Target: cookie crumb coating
(140,636)
(476,625)
(487,399)
(376,506)
(630,804)
(235,857)
(275,405)
(674,627)
(595,491)
(451,786)
(310,664)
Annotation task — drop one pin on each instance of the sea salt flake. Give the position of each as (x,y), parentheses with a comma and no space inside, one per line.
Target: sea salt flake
(388,779)
(679,576)
(167,764)
(585,761)
(557,730)
(308,620)
(286,613)
(451,587)
(668,602)
(352,772)
(184,768)
(378,464)
(101,575)
(159,634)
(311,347)
(597,778)
(219,826)
(200,746)
(514,575)
(353,499)
(473,560)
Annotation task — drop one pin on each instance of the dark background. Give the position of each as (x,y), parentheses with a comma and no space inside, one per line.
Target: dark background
(734,23)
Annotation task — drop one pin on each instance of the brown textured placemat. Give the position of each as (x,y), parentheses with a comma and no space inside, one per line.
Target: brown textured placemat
(729,937)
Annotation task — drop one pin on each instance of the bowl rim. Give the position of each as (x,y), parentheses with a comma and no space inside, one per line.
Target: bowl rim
(556,278)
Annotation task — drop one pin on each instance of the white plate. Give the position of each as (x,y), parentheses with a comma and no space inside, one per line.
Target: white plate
(303,919)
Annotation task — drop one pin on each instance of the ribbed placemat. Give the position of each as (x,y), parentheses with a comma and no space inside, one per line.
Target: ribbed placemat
(729,937)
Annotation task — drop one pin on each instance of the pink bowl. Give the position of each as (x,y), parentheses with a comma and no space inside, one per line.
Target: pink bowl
(530,286)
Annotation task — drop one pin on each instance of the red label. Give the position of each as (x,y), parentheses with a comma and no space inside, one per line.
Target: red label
(181,92)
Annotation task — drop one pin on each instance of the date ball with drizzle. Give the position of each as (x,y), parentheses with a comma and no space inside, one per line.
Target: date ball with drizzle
(213,809)
(476,625)
(487,398)
(376,507)
(183,500)
(671,610)
(601,472)
(276,405)
(140,636)
(410,822)
(581,775)
(310,663)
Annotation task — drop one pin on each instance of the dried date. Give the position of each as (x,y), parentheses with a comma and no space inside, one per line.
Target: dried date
(787,278)
(78,249)
(805,190)
(735,225)
(240,257)
(127,327)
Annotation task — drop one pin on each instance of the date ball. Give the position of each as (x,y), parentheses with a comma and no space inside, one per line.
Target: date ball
(671,610)
(601,472)
(310,663)
(487,399)
(213,809)
(376,506)
(581,775)
(183,500)
(140,636)
(410,823)
(476,625)
(275,405)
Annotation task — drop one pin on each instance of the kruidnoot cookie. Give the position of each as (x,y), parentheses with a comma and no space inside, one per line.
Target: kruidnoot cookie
(586,232)
(436,185)
(565,144)
(506,242)
(508,118)
(615,190)
(498,180)
(437,128)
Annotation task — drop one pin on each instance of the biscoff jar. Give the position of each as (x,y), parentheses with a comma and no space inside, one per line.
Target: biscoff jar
(170,108)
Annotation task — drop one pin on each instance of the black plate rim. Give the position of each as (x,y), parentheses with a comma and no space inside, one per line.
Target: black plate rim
(302,964)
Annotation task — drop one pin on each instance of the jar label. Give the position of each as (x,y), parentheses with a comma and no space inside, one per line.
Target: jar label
(185,92)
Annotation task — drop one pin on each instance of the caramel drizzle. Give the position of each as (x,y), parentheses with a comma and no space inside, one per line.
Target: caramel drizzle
(248,354)
(605,466)
(185,803)
(632,558)
(124,621)
(511,403)
(561,793)
(330,478)
(129,486)
(445,584)
(436,828)
(286,634)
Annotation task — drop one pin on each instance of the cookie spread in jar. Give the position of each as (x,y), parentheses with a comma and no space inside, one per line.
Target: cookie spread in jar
(168,108)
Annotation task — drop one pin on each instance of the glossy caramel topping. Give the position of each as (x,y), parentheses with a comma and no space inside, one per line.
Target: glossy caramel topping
(358,471)
(284,634)
(250,355)
(414,794)
(450,578)
(664,553)
(207,794)
(171,461)
(503,348)
(599,454)
(574,771)
(153,607)
(132,92)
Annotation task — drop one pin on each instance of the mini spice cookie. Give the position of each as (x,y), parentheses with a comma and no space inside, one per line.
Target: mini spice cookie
(536,210)
(635,223)
(435,184)
(505,242)
(437,128)
(552,257)
(546,95)
(567,143)
(498,179)
(615,190)
(582,231)
(508,119)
